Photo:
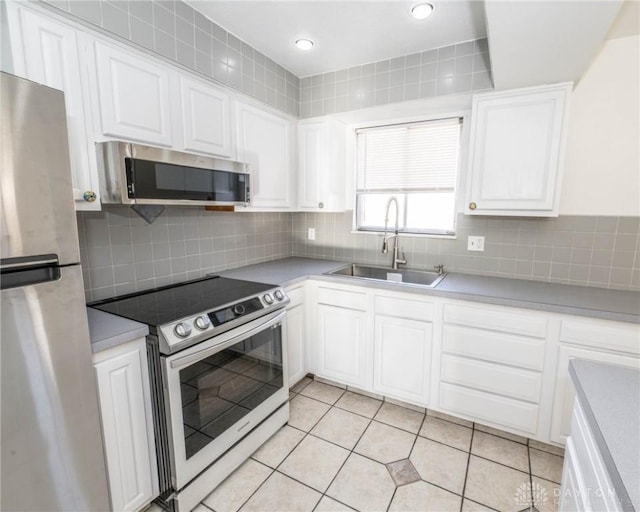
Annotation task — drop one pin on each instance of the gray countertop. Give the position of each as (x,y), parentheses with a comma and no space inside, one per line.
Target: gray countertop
(107,330)
(558,298)
(610,398)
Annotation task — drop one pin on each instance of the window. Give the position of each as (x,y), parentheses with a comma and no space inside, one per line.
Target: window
(417,163)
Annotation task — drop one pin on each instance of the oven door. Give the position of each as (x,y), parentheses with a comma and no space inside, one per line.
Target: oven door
(220,389)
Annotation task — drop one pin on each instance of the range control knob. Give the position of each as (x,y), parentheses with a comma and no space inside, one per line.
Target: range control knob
(238,309)
(182,330)
(267,298)
(202,322)
(279,294)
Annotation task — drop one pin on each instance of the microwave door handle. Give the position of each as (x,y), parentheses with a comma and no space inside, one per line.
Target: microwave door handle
(194,357)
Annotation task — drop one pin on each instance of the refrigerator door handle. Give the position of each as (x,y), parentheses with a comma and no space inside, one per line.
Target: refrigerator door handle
(41,260)
(28,270)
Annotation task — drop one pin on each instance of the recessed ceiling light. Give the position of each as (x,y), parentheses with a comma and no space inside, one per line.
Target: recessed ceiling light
(421,11)
(304,44)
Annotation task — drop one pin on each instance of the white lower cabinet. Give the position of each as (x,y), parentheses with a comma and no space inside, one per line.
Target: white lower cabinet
(127,425)
(402,348)
(342,345)
(586,483)
(501,366)
(491,366)
(296,334)
(564,396)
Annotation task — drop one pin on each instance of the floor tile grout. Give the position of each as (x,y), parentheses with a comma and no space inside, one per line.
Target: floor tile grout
(370,420)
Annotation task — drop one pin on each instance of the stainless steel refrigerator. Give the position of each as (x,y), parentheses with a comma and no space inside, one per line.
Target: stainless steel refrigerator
(51,444)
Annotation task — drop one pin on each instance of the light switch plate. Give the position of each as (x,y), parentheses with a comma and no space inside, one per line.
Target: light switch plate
(475,243)
(311,233)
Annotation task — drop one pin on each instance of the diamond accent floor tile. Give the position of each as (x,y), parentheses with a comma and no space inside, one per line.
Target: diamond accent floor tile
(403,472)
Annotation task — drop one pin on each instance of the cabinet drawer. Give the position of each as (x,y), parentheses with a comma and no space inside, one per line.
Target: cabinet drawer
(504,380)
(591,465)
(602,334)
(494,409)
(342,298)
(404,308)
(495,347)
(497,320)
(296,295)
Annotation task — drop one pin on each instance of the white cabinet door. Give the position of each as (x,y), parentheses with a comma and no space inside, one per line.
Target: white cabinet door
(133,95)
(127,425)
(264,143)
(516,153)
(342,345)
(47,52)
(564,393)
(402,359)
(205,118)
(321,165)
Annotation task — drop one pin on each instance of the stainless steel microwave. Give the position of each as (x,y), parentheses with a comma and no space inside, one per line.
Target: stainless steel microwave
(136,174)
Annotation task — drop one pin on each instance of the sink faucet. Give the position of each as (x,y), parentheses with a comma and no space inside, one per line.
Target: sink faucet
(397,260)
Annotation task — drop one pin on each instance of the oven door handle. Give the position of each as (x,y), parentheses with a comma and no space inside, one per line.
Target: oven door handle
(194,357)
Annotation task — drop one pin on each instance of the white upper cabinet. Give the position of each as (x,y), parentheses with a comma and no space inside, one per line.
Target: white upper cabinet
(321,165)
(47,52)
(205,118)
(517,151)
(133,95)
(264,142)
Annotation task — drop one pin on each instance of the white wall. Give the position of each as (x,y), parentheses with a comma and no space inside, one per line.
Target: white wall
(602,167)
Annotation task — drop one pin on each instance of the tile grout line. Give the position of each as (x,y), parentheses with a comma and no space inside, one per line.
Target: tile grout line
(424,418)
(350,452)
(466,473)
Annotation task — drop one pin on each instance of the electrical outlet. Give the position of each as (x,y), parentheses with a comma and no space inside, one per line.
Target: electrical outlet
(311,234)
(475,243)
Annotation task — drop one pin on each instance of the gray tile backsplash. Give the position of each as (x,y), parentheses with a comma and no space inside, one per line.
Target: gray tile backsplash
(454,69)
(174,30)
(587,251)
(121,253)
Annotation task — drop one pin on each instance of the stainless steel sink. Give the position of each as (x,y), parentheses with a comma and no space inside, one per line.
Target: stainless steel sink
(423,278)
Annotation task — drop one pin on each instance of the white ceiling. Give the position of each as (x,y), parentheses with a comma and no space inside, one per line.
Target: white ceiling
(346,33)
(534,42)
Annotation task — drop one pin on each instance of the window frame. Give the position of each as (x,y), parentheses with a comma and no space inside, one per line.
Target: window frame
(463,140)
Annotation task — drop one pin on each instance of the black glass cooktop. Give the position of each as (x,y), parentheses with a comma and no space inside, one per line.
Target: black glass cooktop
(169,303)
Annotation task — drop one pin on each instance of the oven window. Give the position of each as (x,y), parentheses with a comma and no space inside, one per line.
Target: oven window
(219,391)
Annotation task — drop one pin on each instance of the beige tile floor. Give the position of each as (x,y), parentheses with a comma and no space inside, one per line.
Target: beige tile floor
(342,451)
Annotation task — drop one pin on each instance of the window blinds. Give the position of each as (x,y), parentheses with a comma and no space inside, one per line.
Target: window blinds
(408,157)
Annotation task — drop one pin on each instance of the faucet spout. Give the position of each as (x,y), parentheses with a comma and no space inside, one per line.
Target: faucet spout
(397,260)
